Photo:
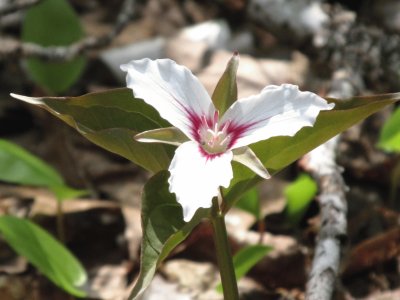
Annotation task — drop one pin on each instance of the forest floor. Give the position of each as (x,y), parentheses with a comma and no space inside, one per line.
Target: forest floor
(103,229)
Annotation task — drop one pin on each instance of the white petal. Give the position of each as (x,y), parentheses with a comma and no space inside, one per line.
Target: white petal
(276,111)
(171,89)
(196,178)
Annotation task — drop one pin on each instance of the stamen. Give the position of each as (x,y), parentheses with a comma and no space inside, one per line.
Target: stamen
(204,121)
(216,116)
(214,139)
(226,125)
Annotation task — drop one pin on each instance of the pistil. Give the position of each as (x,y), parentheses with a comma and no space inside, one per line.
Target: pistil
(214,139)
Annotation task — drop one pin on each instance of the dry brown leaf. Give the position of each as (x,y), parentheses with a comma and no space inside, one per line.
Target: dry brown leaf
(373,252)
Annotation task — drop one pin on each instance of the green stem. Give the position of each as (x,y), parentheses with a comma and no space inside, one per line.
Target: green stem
(224,256)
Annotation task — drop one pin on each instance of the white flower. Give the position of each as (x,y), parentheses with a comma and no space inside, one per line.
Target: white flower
(202,161)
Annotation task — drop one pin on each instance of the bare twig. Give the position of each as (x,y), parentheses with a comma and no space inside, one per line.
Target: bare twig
(16,6)
(325,266)
(12,48)
(333,229)
(357,53)
(342,45)
(305,21)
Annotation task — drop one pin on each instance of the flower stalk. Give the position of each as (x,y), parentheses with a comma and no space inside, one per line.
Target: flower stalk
(224,256)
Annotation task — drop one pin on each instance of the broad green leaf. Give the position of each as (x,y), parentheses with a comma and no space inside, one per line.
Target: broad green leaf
(44,252)
(299,195)
(53,23)
(111,119)
(389,139)
(246,258)
(278,152)
(163,228)
(225,92)
(250,202)
(21,167)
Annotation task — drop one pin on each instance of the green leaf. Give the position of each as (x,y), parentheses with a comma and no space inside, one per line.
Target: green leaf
(19,166)
(250,202)
(111,119)
(163,228)
(44,252)
(299,195)
(64,192)
(53,23)
(278,152)
(389,139)
(246,258)
(225,92)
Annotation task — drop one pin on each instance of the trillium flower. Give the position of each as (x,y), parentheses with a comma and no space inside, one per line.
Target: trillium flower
(208,142)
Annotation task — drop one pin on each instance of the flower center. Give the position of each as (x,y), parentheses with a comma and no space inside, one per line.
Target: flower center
(213,137)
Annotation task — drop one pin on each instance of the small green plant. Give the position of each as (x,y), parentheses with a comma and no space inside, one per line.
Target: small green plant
(250,202)
(299,195)
(53,23)
(389,138)
(49,256)
(21,167)
(246,258)
(389,141)
(44,252)
(225,146)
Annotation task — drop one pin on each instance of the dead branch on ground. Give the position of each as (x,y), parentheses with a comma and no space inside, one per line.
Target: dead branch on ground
(356,54)
(321,163)
(13,48)
(16,6)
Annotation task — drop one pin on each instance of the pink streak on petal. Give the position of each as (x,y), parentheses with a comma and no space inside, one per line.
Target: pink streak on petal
(236,131)
(276,111)
(209,156)
(196,123)
(171,89)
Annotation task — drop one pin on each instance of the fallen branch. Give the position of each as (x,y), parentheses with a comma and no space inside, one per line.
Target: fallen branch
(333,206)
(332,201)
(356,53)
(16,6)
(12,48)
